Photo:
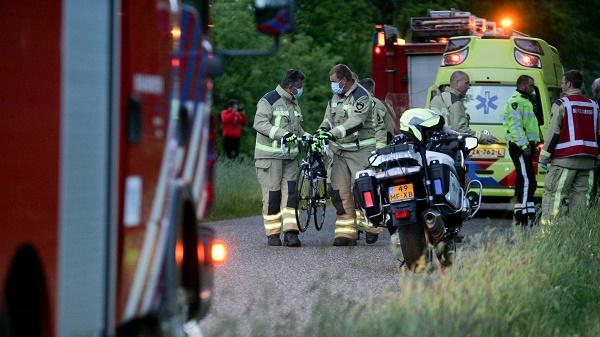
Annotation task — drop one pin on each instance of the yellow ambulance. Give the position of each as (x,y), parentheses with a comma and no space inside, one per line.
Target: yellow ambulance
(493,65)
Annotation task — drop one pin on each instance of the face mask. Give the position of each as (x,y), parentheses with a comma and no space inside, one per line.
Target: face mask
(335,87)
(299,92)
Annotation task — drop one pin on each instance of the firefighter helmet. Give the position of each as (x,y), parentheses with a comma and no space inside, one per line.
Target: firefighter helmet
(416,121)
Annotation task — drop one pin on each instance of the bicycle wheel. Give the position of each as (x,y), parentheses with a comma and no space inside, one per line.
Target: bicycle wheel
(303,208)
(319,201)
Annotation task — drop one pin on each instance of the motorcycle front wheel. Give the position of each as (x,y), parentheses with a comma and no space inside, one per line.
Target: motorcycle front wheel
(413,245)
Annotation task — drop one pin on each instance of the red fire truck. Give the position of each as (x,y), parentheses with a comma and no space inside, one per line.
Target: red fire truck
(403,72)
(107,166)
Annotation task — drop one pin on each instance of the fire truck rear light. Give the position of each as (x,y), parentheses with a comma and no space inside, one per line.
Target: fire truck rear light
(368,198)
(455,58)
(403,214)
(201,254)
(527,60)
(377,50)
(218,252)
(179,252)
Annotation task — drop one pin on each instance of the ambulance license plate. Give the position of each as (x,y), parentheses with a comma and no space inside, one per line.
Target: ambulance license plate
(487,153)
(402,192)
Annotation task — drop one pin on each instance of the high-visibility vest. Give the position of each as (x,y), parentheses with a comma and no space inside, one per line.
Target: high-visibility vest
(579,128)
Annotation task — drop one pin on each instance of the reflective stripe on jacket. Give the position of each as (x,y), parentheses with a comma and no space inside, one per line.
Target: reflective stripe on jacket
(277,113)
(520,124)
(578,129)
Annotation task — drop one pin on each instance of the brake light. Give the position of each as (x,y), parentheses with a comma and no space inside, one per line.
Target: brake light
(527,60)
(218,252)
(455,58)
(403,214)
(377,50)
(175,62)
(368,199)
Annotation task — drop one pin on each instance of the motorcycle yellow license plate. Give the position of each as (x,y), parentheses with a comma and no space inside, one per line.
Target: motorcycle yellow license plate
(402,192)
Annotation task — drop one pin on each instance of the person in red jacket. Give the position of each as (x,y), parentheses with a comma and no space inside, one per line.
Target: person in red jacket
(232,120)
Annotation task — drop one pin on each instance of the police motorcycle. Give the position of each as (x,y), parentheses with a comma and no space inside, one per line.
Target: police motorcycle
(416,188)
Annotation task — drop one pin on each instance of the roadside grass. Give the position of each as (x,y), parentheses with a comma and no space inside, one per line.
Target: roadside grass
(237,190)
(545,282)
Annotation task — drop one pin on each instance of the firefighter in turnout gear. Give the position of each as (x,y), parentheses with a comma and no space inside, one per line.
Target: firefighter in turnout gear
(349,125)
(450,105)
(571,147)
(278,123)
(522,134)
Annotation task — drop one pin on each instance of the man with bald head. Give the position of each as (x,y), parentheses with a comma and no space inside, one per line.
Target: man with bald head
(450,105)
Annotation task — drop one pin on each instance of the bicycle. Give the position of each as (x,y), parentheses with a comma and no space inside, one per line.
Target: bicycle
(312,186)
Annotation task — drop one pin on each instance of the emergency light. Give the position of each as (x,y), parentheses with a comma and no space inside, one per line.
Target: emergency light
(455,58)
(527,60)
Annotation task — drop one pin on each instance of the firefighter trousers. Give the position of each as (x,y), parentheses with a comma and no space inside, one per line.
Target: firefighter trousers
(565,189)
(525,184)
(277,179)
(343,170)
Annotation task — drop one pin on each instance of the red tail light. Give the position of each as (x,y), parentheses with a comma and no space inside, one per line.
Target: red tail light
(175,62)
(377,50)
(527,60)
(368,199)
(455,58)
(403,214)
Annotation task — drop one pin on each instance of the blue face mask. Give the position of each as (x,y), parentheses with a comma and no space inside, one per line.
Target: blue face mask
(336,88)
(299,92)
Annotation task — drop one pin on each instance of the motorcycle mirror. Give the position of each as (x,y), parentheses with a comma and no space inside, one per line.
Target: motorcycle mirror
(471,143)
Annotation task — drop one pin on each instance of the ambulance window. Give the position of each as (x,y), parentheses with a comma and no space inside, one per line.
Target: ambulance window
(485,103)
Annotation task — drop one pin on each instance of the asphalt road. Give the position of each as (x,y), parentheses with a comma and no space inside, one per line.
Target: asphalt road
(258,281)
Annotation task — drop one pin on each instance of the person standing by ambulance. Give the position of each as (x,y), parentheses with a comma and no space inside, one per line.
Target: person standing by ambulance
(349,125)
(278,123)
(522,134)
(571,147)
(450,105)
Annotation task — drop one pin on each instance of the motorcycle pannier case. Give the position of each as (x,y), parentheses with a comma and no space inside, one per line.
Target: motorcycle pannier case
(366,193)
(446,187)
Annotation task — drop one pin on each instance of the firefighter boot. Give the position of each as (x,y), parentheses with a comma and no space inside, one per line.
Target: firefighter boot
(290,238)
(371,237)
(343,241)
(273,240)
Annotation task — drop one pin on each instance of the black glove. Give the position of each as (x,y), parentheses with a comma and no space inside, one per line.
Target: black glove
(326,135)
(290,138)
